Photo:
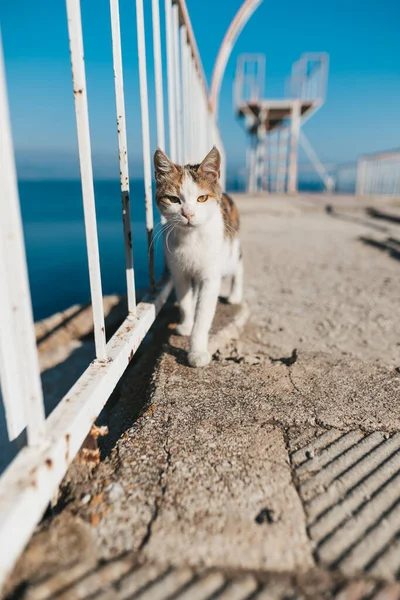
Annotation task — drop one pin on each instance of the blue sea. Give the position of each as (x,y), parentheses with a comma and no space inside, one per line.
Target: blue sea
(52,215)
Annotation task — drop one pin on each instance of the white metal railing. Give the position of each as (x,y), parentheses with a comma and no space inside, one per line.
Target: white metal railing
(249,84)
(32,478)
(379,174)
(309,77)
(345,177)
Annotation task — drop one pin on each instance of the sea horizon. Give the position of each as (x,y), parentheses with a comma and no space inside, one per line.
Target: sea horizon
(52,215)
(53,224)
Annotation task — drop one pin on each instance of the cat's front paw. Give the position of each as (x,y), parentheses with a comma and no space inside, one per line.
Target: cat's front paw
(184,329)
(199,359)
(235,298)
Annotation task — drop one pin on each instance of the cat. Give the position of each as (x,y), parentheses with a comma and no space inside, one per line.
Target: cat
(201,244)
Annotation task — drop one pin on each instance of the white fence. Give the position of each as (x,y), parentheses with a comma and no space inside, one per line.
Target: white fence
(33,477)
(379,174)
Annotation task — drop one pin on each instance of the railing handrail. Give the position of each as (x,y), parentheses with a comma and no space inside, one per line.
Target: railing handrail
(379,174)
(32,478)
(383,154)
(184,14)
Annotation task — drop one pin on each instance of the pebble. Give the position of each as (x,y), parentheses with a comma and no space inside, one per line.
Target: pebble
(116,491)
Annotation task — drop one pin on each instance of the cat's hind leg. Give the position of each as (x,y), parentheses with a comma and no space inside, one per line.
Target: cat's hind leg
(236,295)
(184,295)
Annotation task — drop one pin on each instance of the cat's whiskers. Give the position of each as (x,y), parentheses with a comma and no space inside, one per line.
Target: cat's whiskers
(156,237)
(167,236)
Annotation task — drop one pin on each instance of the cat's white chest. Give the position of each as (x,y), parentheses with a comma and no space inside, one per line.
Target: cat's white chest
(198,252)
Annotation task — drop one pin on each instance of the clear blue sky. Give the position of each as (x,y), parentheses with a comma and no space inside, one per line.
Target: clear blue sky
(362,37)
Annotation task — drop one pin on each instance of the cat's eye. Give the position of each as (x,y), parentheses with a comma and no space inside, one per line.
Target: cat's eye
(172,199)
(202,198)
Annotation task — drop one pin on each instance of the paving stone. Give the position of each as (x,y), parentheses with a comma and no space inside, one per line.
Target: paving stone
(351,493)
(195,456)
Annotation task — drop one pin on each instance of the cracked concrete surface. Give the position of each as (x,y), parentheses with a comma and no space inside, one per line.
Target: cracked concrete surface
(213,449)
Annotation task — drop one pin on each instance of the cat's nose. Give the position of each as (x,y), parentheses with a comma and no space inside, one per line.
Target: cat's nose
(187,214)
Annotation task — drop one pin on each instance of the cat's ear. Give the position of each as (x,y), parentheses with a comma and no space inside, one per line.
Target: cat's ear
(163,165)
(211,165)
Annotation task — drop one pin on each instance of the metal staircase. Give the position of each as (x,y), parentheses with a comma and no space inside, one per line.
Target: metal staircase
(274,124)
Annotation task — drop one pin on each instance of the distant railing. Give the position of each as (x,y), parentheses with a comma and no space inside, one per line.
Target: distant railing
(249,84)
(309,78)
(345,175)
(33,477)
(379,174)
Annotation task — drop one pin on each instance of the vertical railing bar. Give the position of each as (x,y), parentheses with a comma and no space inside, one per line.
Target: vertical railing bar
(373,177)
(158,75)
(170,80)
(85,161)
(184,82)
(197,115)
(369,175)
(123,154)
(177,78)
(210,128)
(144,108)
(223,159)
(158,81)
(197,111)
(205,123)
(191,105)
(19,364)
(184,18)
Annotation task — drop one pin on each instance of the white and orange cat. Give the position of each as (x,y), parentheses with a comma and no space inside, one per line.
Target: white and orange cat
(201,244)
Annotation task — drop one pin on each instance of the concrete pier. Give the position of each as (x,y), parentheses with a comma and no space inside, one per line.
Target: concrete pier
(271,473)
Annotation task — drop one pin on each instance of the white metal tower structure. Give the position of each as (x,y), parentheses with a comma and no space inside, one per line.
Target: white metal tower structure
(274,124)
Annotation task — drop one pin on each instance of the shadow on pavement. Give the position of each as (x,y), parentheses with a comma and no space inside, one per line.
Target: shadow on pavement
(329,209)
(378,214)
(390,245)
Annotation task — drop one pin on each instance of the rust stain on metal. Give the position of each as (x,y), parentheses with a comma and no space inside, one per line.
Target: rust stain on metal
(80,91)
(89,454)
(98,431)
(67,437)
(49,463)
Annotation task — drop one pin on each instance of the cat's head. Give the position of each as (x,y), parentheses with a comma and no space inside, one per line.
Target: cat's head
(188,195)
